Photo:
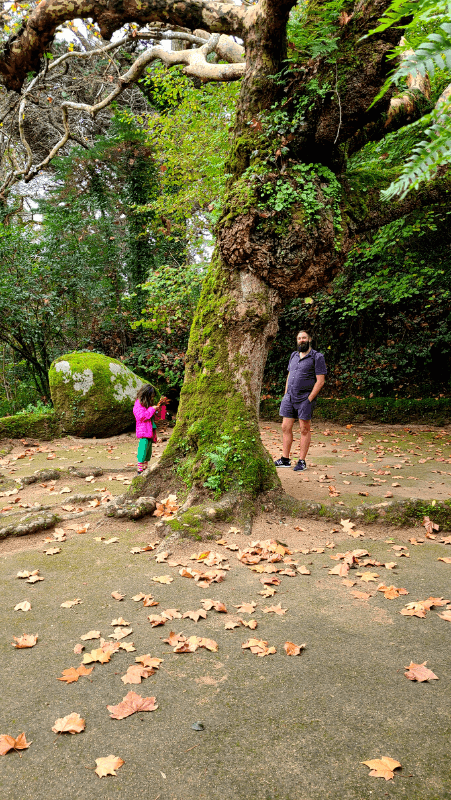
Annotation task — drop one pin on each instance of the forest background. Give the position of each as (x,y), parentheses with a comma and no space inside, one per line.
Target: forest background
(110,254)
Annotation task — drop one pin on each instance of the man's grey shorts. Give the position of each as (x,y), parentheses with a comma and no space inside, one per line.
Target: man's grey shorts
(301,409)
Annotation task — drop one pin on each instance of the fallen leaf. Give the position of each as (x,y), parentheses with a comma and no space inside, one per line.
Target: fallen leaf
(246,608)
(171,613)
(161,557)
(230,624)
(136,672)
(52,551)
(275,609)
(73,723)
(131,704)
(195,615)
(120,633)
(446,615)
(215,604)
(24,641)
(70,603)
(108,765)
(117,596)
(360,595)
(26,574)
(382,767)
(8,743)
(90,635)
(113,540)
(270,591)
(391,592)
(156,619)
(303,570)
(162,578)
(252,623)
(446,559)
(119,621)
(292,649)
(25,606)
(65,489)
(368,576)
(72,674)
(419,672)
(149,661)
(259,647)
(127,646)
(78,649)
(100,655)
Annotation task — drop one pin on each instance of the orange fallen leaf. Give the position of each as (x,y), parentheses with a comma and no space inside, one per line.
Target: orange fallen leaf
(149,661)
(136,672)
(230,624)
(252,624)
(119,621)
(195,615)
(156,619)
(275,609)
(163,578)
(130,704)
(292,649)
(259,647)
(27,640)
(382,767)
(120,633)
(215,604)
(117,596)
(391,592)
(52,551)
(303,570)
(446,559)
(270,591)
(108,765)
(368,576)
(246,608)
(360,595)
(78,649)
(72,674)
(446,615)
(8,743)
(419,672)
(73,723)
(100,655)
(90,635)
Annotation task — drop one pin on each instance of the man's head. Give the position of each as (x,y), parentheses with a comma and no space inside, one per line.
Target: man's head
(303,341)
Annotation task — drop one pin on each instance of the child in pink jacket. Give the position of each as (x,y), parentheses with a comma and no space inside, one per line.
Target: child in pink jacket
(146,430)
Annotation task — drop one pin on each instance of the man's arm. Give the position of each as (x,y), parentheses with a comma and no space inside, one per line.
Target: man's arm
(286,385)
(319,383)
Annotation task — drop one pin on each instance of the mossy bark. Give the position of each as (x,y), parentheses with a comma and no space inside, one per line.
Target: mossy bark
(216,440)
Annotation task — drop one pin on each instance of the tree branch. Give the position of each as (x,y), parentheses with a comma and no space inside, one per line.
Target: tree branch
(23,51)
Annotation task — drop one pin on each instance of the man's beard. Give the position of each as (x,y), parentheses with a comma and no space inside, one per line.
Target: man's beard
(303,347)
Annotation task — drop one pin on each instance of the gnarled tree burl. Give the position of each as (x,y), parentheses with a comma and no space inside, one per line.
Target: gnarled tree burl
(291,211)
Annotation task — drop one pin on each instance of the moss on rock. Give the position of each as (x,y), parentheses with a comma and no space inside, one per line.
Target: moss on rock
(93,394)
(44,425)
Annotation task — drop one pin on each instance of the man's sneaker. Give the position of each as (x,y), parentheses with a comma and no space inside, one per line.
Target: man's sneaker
(300,466)
(282,462)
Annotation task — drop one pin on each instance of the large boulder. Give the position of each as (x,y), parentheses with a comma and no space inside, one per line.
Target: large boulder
(93,394)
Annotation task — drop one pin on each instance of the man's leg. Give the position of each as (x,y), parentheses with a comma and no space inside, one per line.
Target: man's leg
(287,436)
(306,436)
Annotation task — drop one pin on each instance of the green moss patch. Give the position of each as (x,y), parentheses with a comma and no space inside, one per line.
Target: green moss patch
(44,425)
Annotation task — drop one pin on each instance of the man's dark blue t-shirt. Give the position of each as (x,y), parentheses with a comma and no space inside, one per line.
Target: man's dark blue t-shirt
(303,372)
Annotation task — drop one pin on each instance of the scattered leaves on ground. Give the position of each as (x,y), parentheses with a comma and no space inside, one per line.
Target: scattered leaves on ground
(259,647)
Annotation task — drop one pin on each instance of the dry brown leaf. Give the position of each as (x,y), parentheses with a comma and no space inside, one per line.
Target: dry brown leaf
(161,557)
(270,591)
(215,604)
(136,672)
(26,574)
(446,559)
(382,767)
(127,646)
(368,576)
(209,644)
(73,723)
(303,570)
(8,743)
(117,596)
(90,635)
(195,615)
(100,655)
(24,641)
(120,633)
(162,578)
(419,672)
(246,608)
(391,592)
(252,623)
(360,595)
(119,621)
(52,551)
(149,661)
(171,613)
(446,615)
(140,596)
(108,765)
(24,606)
(72,674)
(230,624)
(130,704)
(341,569)
(292,649)
(113,540)
(149,601)
(275,609)
(78,649)
(70,603)
(156,619)
(259,647)
(174,638)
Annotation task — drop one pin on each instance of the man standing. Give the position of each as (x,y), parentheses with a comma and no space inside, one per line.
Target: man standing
(306,375)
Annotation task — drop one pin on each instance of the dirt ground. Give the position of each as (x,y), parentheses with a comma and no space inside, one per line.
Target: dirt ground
(274,727)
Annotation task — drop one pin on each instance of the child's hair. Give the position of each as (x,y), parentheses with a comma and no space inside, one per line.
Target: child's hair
(146,395)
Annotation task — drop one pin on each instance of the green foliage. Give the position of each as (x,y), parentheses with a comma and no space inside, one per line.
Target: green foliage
(171,296)
(384,324)
(313,27)
(189,136)
(429,34)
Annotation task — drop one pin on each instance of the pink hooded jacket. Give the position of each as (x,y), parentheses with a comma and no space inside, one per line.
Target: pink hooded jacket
(143,416)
